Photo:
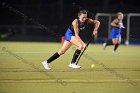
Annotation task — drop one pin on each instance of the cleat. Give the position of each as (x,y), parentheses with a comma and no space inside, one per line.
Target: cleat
(46,65)
(104,44)
(74,66)
(114,52)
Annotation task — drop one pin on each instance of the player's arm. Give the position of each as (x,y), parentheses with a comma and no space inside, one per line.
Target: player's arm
(97,24)
(76,31)
(114,23)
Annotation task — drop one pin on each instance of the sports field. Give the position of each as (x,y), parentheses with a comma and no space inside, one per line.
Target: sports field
(21,70)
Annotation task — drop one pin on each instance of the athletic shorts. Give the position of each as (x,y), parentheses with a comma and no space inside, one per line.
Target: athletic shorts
(115,33)
(69,34)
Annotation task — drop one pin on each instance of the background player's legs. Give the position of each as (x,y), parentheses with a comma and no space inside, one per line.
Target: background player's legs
(80,46)
(116,42)
(108,42)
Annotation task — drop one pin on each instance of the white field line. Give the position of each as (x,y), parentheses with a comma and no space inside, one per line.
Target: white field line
(27,52)
(64,80)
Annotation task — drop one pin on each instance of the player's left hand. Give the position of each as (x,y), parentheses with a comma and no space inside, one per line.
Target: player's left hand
(95,32)
(85,46)
(122,27)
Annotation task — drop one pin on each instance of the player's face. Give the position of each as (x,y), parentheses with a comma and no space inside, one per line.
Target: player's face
(83,17)
(120,17)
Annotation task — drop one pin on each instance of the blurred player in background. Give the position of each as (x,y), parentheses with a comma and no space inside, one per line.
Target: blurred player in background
(115,34)
(72,37)
(9,33)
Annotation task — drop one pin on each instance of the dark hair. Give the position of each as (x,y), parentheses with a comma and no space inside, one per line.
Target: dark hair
(82,12)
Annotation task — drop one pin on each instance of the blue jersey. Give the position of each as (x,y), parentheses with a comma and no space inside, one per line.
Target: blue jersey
(116,31)
(70,31)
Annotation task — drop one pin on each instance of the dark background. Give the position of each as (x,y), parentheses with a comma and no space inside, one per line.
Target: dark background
(47,20)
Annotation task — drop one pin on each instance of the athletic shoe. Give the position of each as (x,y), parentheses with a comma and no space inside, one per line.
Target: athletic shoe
(78,66)
(74,66)
(115,52)
(46,65)
(104,44)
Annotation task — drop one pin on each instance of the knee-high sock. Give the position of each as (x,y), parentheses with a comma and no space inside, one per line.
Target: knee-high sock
(75,56)
(116,46)
(53,57)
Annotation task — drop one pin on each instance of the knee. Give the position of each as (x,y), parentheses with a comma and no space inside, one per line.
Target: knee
(114,42)
(80,47)
(61,52)
(119,42)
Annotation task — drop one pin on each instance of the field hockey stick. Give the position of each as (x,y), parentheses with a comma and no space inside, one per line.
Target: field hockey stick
(84,49)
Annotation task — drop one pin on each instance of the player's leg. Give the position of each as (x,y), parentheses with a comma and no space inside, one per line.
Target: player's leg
(80,46)
(108,42)
(118,41)
(115,42)
(65,47)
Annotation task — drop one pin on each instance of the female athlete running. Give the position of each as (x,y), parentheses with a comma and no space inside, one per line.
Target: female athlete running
(72,37)
(115,34)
